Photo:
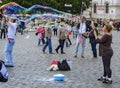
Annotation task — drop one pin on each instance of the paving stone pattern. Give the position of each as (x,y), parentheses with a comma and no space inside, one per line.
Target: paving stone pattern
(31,64)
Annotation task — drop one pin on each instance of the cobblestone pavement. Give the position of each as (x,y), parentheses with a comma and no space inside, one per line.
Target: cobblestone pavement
(30,65)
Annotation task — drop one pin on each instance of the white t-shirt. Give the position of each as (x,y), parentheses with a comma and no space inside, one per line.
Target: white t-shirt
(82,28)
(11,29)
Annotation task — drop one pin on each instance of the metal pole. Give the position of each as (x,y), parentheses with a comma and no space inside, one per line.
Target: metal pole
(81,8)
(91,11)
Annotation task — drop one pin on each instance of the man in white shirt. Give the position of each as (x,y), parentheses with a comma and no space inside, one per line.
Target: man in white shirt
(82,33)
(12,26)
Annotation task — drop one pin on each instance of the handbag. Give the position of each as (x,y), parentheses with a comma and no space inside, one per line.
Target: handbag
(80,39)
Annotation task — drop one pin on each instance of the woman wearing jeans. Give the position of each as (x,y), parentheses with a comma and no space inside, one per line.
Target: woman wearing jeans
(12,26)
(106,52)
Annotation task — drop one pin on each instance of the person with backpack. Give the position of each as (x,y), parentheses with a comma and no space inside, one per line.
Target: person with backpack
(48,43)
(12,26)
(61,38)
(83,33)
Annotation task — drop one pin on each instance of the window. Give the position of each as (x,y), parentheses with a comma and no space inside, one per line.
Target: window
(107,8)
(95,8)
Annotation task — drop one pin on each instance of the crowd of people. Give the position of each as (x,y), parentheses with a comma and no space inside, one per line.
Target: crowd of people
(82,30)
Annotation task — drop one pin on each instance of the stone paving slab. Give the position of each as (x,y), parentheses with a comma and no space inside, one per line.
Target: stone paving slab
(31,64)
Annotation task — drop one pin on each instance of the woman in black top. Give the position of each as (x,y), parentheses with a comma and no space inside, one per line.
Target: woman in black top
(93,40)
(106,52)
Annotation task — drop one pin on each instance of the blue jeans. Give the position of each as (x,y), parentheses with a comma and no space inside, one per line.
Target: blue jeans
(8,52)
(83,45)
(21,30)
(39,41)
(94,50)
(61,45)
(49,44)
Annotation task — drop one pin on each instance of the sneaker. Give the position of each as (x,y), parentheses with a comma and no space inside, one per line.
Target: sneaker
(9,65)
(82,56)
(56,51)
(75,56)
(52,53)
(101,79)
(63,53)
(93,57)
(107,81)
(44,52)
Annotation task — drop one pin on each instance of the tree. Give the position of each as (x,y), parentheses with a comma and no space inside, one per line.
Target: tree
(57,4)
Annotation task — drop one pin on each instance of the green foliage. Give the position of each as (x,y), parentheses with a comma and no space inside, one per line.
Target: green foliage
(57,4)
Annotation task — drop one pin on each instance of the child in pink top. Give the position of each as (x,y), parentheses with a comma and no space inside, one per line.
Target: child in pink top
(39,32)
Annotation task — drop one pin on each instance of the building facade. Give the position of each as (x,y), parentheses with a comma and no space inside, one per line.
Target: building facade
(105,9)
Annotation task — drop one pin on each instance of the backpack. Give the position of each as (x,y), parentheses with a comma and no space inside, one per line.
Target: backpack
(63,66)
(3,72)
